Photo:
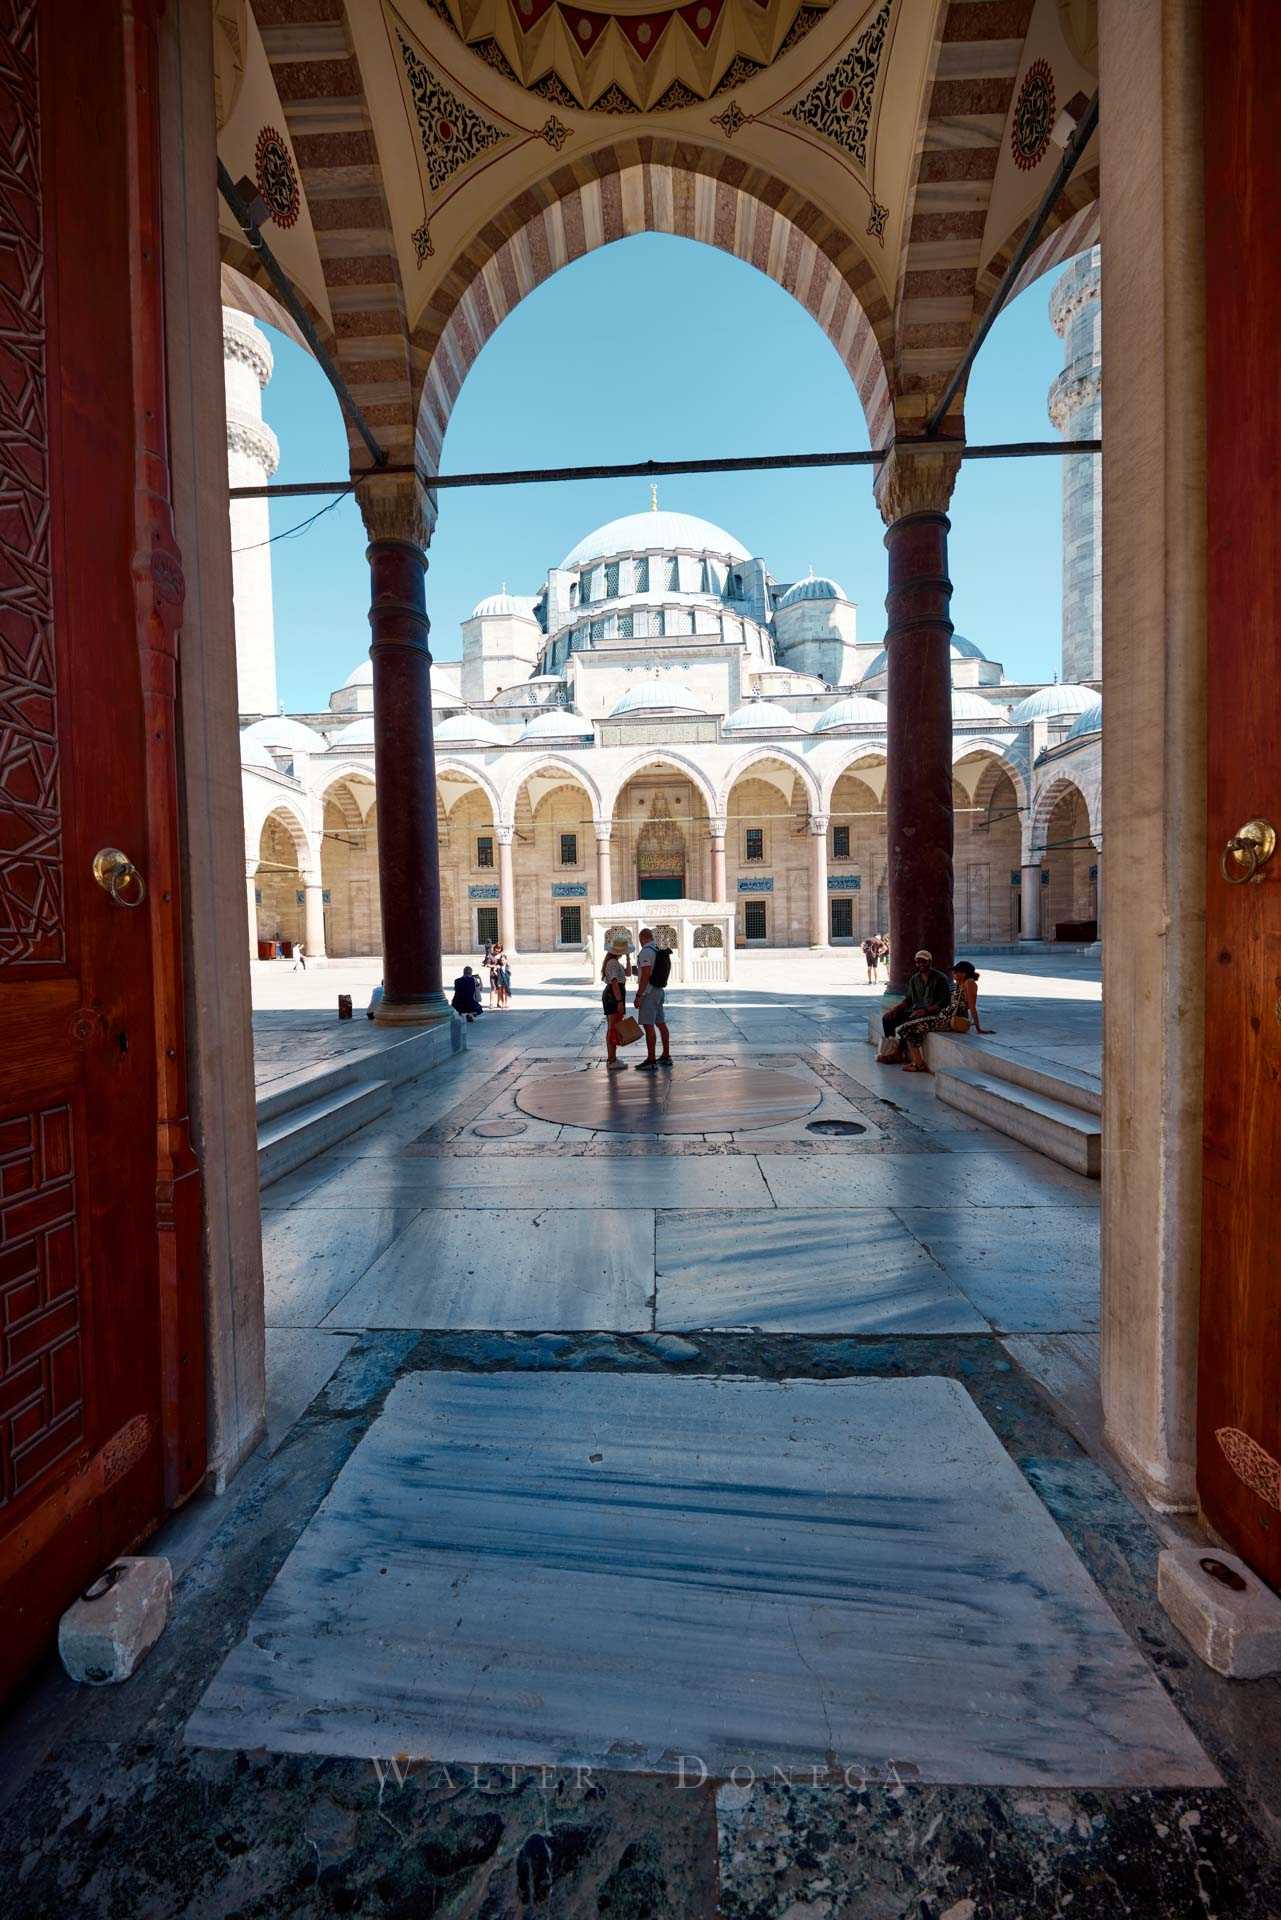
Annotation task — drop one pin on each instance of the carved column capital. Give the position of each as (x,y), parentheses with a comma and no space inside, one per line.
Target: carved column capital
(504,834)
(717,825)
(395,509)
(818,822)
(604,832)
(912,479)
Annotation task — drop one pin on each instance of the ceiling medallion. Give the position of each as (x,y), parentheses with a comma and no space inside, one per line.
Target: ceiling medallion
(451,133)
(839,105)
(732,121)
(277,180)
(555,133)
(877,216)
(1033,116)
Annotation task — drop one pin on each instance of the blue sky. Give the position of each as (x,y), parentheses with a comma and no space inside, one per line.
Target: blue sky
(660,348)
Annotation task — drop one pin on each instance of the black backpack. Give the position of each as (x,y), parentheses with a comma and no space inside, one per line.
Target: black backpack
(662,968)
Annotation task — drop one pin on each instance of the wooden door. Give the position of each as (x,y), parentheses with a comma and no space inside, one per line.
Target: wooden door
(1239,1374)
(101,1350)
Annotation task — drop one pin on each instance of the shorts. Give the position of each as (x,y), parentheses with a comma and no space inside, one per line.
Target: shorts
(612,1005)
(650,1010)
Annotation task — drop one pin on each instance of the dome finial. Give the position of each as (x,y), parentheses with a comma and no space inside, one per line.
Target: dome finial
(653,496)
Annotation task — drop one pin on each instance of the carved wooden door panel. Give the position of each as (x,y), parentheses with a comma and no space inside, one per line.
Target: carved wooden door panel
(101,1355)
(1239,1370)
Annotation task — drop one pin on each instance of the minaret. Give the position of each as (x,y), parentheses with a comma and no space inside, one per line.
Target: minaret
(253,454)
(1075,409)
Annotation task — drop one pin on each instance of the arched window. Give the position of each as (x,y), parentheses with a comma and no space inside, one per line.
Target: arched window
(642,574)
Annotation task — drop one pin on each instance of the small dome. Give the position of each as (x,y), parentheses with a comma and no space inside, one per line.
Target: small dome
(361,676)
(1052,703)
(555,723)
(855,710)
(651,532)
(1089,720)
(972,706)
(519,606)
(816,586)
(666,694)
(960,649)
(470,730)
(254,754)
(764,716)
(359,733)
(278,730)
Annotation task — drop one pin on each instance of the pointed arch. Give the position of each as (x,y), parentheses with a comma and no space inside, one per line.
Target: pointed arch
(854,760)
(645,758)
(758,755)
(565,769)
(457,771)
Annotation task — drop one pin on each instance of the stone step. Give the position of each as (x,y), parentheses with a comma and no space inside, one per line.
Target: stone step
(295,1136)
(969,1052)
(1060,1132)
(390,1056)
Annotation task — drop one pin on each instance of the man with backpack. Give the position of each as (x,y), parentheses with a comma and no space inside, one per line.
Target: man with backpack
(653,970)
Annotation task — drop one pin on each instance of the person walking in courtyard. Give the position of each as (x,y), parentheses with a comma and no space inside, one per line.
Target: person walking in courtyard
(300,956)
(928,991)
(494,964)
(872,955)
(504,979)
(653,970)
(613,1001)
(960,1014)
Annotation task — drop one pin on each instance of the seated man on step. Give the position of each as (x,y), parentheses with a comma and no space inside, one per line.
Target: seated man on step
(928,991)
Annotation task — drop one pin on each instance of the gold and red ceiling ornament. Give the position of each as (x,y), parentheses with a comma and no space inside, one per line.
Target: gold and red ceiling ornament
(1032,119)
(277,177)
(616,57)
(451,133)
(839,106)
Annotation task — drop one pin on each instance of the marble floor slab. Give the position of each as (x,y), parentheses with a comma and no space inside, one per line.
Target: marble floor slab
(310,1260)
(299,1362)
(495,1180)
(803,1273)
(994,1179)
(1042,1278)
(551,1270)
(615,1572)
(692,1098)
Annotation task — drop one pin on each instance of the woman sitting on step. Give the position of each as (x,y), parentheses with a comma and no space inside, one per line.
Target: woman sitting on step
(960,1014)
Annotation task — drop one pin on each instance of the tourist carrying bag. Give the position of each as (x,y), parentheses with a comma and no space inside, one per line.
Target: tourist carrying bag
(627,1030)
(891,1047)
(661,972)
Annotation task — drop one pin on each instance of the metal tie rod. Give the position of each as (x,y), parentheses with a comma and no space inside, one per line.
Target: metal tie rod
(658,469)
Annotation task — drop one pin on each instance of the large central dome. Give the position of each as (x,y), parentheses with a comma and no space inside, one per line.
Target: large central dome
(655,531)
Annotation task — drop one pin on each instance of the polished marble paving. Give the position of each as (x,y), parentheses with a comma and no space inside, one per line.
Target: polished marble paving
(994,1178)
(494,1180)
(1024,1277)
(803,1273)
(682,1098)
(552,1269)
(310,1260)
(614,1571)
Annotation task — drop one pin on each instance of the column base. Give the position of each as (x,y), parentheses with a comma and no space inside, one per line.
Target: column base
(415,1010)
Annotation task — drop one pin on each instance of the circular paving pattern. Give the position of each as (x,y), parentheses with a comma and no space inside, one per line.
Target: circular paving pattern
(840,1129)
(675,1100)
(499,1129)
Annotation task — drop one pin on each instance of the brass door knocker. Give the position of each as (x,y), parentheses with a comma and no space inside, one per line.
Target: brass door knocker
(1248,852)
(117,875)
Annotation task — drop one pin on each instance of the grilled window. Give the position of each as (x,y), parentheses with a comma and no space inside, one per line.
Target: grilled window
(840,843)
(754,843)
(484,850)
(569,849)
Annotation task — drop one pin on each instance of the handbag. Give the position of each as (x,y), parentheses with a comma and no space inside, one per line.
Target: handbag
(627,1031)
(891,1047)
(960,1023)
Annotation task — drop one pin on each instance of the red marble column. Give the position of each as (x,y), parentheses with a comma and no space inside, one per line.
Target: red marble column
(918,638)
(405,772)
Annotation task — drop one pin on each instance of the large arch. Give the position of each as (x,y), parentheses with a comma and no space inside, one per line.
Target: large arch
(283,857)
(349,864)
(856,758)
(660,758)
(554,809)
(652,184)
(1065,840)
(988,846)
(551,764)
(784,757)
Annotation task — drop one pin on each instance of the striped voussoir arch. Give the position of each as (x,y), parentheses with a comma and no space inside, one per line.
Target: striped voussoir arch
(652,186)
(323,99)
(977,58)
(1071,226)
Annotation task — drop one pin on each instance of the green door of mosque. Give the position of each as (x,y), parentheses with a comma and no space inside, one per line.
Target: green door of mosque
(661,886)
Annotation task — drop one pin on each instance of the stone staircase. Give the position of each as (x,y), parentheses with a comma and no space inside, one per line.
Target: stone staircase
(1054,1110)
(303,1113)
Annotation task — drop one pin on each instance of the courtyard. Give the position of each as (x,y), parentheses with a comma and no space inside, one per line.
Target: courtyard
(686,1522)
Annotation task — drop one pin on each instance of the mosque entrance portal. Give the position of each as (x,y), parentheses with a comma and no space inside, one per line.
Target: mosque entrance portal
(660,855)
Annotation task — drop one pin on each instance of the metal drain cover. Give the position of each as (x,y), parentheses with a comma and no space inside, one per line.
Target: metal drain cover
(842,1128)
(499,1129)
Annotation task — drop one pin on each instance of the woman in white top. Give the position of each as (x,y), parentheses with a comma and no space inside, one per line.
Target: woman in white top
(613,1001)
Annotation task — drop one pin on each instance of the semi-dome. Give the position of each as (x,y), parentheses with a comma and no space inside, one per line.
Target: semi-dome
(358,733)
(361,676)
(655,531)
(972,706)
(517,606)
(470,730)
(960,649)
(855,710)
(254,754)
(764,716)
(537,691)
(278,730)
(1052,703)
(666,694)
(1089,720)
(816,586)
(555,723)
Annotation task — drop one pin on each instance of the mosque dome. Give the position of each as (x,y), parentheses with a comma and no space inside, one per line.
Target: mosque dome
(972,706)
(517,606)
(254,754)
(359,733)
(655,531)
(555,723)
(361,676)
(816,586)
(470,730)
(1089,720)
(764,716)
(666,694)
(855,710)
(960,649)
(538,691)
(278,730)
(1052,703)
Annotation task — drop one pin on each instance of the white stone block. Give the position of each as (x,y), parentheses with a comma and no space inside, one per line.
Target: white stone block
(104,1635)
(1228,1617)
